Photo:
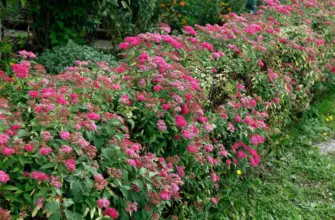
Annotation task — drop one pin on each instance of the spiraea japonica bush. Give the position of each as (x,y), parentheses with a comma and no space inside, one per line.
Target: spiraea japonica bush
(80,140)
(71,154)
(159,135)
(283,53)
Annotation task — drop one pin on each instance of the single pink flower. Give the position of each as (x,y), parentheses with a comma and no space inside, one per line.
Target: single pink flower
(46,135)
(4,138)
(184,109)
(70,165)
(215,177)
(238,119)
(192,149)
(165,27)
(165,195)
(103,203)
(123,45)
(166,106)
(214,200)
(28,148)
(161,125)
(4,178)
(180,171)
(93,116)
(141,97)
(45,150)
(188,96)
(66,149)
(33,94)
(180,121)
(241,154)
(276,100)
(131,162)
(64,135)
(111,212)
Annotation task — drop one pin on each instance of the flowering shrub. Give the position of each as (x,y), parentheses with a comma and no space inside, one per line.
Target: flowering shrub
(158,135)
(279,54)
(72,152)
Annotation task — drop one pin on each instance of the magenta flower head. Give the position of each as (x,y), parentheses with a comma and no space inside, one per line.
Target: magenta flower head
(64,135)
(93,116)
(180,121)
(4,178)
(111,212)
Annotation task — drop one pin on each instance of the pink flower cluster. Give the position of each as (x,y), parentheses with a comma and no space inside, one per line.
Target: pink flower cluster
(27,54)
(21,69)
(39,176)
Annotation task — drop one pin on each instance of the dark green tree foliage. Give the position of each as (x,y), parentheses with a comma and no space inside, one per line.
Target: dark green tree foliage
(57,21)
(143,12)
(125,17)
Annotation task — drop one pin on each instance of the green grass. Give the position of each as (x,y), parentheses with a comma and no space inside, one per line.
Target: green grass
(294,181)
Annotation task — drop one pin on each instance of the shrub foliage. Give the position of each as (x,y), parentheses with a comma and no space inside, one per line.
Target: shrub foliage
(60,57)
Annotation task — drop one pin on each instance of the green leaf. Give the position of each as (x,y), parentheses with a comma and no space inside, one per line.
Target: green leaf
(120,136)
(125,5)
(53,207)
(23,3)
(76,189)
(9,187)
(33,214)
(115,121)
(21,133)
(72,215)
(92,212)
(139,183)
(108,153)
(27,197)
(86,211)
(110,130)
(98,142)
(60,24)
(142,170)
(132,123)
(124,191)
(48,165)
(67,203)
(55,216)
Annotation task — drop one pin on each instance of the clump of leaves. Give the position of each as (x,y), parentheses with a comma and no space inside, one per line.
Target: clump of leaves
(59,57)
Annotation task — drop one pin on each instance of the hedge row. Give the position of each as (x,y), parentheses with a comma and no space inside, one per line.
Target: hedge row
(161,134)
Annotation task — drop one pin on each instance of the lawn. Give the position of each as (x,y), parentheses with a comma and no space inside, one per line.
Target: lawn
(295,181)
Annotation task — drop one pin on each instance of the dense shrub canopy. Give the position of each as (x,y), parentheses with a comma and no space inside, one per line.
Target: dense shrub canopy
(60,57)
(158,135)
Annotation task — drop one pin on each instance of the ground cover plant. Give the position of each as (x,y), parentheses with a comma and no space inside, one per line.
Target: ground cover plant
(164,133)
